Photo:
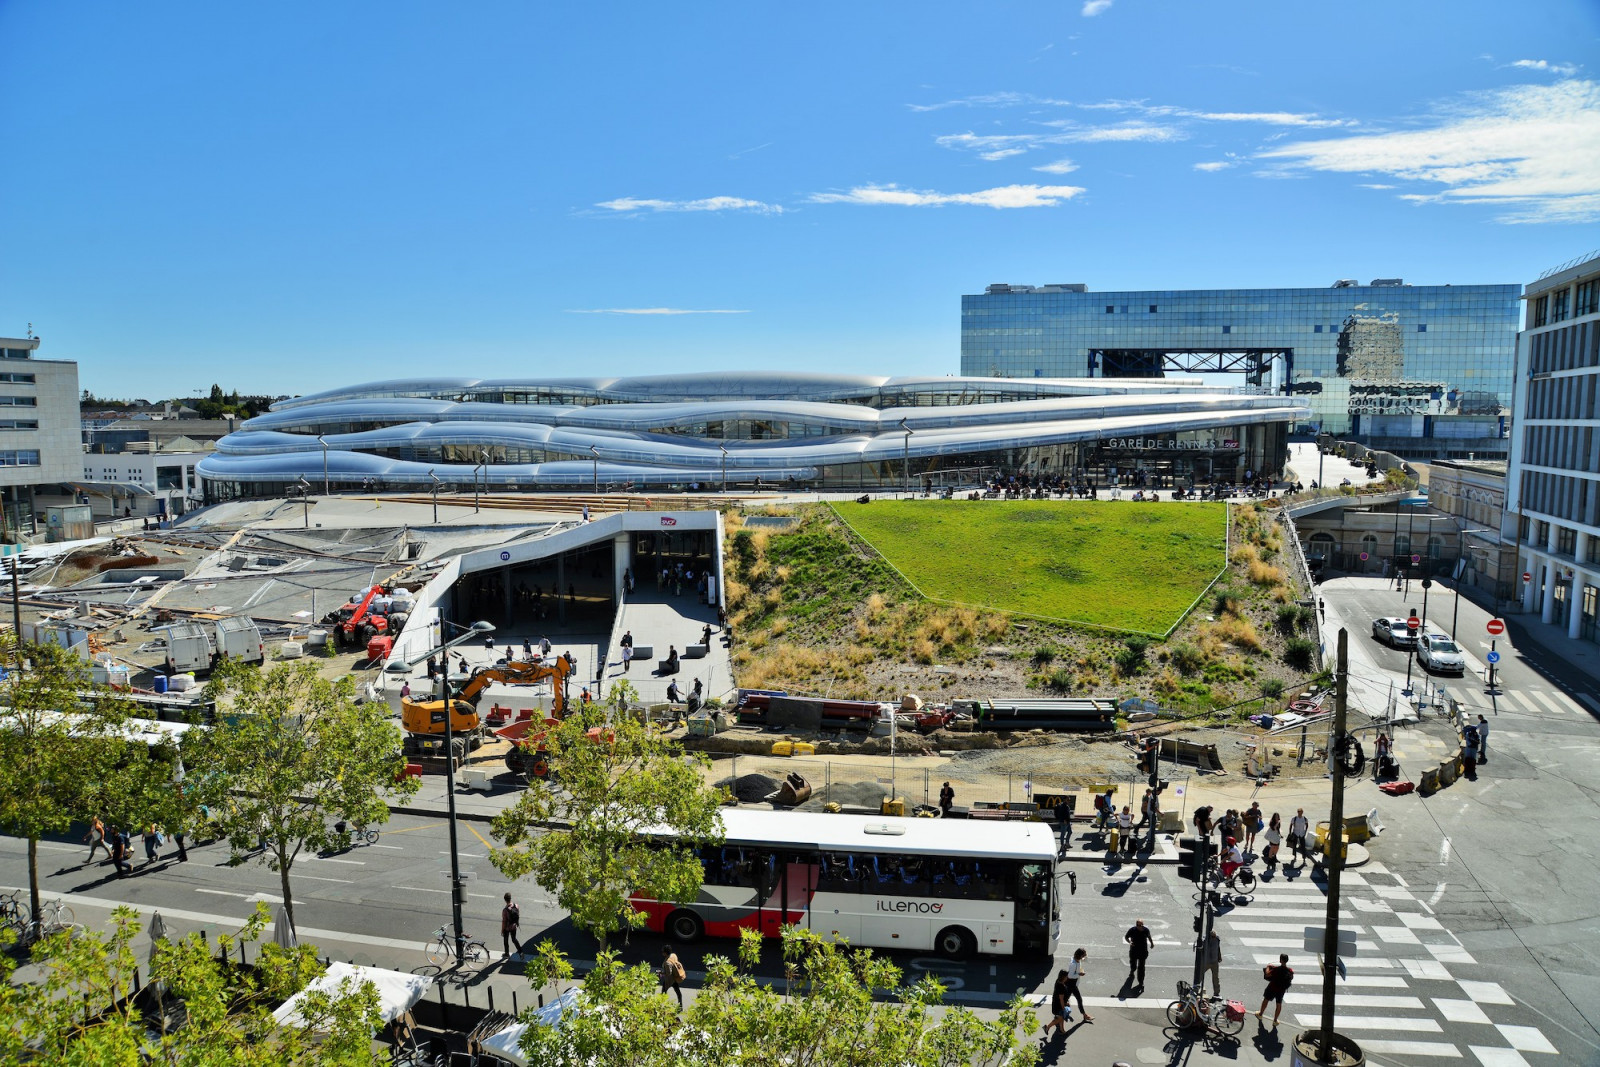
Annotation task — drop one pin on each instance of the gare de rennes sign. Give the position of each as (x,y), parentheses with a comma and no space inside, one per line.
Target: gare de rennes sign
(1159,444)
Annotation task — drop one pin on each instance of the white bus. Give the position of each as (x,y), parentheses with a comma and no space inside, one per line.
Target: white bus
(949,886)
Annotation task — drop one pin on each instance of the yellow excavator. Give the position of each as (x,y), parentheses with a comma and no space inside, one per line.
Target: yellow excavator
(423,720)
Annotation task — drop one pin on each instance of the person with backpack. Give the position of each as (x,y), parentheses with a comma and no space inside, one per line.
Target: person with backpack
(672,973)
(1279,976)
(121,845)
(510,919)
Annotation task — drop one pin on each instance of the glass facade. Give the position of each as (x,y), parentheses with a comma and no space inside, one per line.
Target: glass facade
(1377,361)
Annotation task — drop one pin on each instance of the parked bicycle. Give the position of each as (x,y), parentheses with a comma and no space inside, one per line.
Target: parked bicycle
(442,951)
(1194,1009)
(13,912)
(55,916)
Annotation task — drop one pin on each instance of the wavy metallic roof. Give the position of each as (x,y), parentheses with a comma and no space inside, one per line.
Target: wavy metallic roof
(378,430)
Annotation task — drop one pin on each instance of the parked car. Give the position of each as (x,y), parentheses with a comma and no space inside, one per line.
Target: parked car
(1392,631)
(1436,652)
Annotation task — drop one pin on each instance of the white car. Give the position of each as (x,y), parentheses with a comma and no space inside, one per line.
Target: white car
(1392,632)
(1438,653)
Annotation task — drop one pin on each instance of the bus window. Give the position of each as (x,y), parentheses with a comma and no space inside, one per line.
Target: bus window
(1033,890)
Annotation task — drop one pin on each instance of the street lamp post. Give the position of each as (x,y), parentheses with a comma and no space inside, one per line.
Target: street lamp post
(458,888)
(596,453)
(905,459)
(435,496)
(305,500)
(323,441)
(724,450)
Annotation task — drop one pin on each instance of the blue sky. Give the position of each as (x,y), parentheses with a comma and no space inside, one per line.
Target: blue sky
(290,197)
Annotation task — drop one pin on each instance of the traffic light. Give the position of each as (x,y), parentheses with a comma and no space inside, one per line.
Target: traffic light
(1191,858)
(1152,749)
(1146,758)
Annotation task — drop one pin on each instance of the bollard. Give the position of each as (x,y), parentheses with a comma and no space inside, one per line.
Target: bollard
(491,997)
(514,1011)
(541,1000)
(444,1005)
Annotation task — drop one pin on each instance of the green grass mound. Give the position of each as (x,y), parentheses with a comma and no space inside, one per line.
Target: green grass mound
(1114,564)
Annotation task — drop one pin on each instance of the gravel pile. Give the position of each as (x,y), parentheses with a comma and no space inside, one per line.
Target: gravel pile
(749,788)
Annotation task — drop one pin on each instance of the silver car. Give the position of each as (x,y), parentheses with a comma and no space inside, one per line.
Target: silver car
(1438,653)
(1393,632)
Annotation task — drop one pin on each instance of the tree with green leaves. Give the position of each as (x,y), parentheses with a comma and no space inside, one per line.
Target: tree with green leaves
(579,832)
(291,753)
(837,1006)
(76,1008)
(65,758)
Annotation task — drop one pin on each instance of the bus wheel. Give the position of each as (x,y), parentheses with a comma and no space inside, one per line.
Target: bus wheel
(685,926)
(955,942)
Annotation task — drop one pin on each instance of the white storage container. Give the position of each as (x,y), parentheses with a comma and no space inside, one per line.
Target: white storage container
(180,683)
(291,650)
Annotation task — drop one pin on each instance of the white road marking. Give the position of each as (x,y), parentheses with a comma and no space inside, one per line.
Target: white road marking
(1460,1011)
(1527,705)
(319,878)
(1357,1000)
(463,855)
(396,848)
(1526,1038)
(419,889)
(1412,1048)
(1438,894)
(1374,1022)
(326,859)
(1549,701)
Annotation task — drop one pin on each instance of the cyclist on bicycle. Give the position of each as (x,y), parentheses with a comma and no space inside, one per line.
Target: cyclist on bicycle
(1232,858)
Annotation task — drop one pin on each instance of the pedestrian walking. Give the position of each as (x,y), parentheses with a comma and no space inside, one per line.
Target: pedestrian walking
(152,841)
(527,650)
(1064,825)
(1202,821)
(1211,959)
(1299,827)
(672,973)
(544,646)
(433,668)
(1483,739)
(183,851)
(1279,976)
(1060,1013)
(120,846)
(1469,751)
(947,799)
(1125,830)
(510,920)
(1139,939)
(97,839)
(1075,972)
(627,639)
(627,657)
(405,690)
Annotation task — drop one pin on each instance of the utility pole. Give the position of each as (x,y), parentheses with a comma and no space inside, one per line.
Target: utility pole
(1333,858)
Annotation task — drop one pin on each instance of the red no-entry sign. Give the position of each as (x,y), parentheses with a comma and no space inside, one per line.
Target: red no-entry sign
(1413,622)
(1496,627)
(1527,576)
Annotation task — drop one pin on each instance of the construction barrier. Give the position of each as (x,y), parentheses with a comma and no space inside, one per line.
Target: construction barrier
(1428,784)
(1449,770)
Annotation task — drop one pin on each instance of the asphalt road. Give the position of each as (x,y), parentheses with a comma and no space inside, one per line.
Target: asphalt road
(1476,919)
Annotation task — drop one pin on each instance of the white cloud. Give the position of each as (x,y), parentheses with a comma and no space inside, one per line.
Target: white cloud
(1004,196)
(1375,185)
(710,203)
(1215,165)
(1005,99)
(1269,118)
(657,311)
(1136,130)
(1532,149)
(1060,166)
(1091,8)
(1002,153)
(1563,69)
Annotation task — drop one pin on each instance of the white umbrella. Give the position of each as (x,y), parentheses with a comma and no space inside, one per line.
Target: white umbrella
(283,930)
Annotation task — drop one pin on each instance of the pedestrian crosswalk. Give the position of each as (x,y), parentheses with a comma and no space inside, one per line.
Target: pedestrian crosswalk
(1406,993)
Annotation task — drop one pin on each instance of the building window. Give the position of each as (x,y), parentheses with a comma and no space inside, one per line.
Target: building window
(1227,329)
(19,401)
(19,424)
(1587,301)
(1541,306)
(1566,540)
(16,353)
(19,457)
(1422,327)
(1152,309)
(1111,309)
(18,379)
(1317,328)
(1558,305)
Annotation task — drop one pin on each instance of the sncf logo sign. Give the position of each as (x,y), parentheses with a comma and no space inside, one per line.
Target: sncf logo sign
(668,520)
(919,907)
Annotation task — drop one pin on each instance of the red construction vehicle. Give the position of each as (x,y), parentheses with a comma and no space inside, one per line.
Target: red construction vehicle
(355,623)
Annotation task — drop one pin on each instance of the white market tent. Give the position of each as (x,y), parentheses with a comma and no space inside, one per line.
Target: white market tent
(505,1043)
(398,991)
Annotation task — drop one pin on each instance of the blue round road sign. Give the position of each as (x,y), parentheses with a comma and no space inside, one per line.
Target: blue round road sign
(505,555)
(1493,657)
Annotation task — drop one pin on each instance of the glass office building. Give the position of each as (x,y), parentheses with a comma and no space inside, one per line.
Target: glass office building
(1422,370)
